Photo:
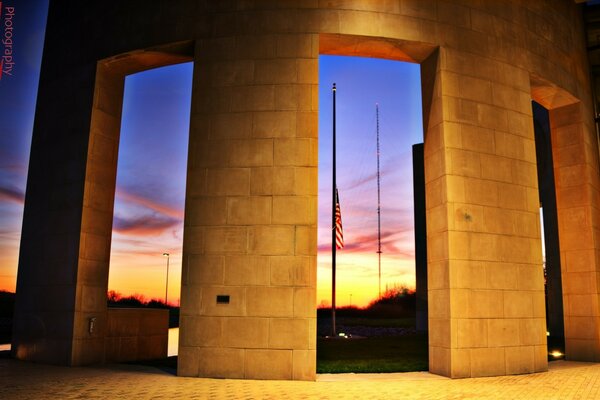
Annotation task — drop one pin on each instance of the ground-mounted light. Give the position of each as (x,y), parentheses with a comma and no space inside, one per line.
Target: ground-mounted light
(556,354)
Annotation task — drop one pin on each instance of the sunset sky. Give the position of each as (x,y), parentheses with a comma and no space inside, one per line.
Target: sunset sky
(152,161)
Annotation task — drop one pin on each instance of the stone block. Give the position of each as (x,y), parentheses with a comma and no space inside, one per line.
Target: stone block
(502,276)
(481,192)
(271,240)
(289,333)
(294,210)
(253,98)
(582,305)
(274,124)
(272,181)
(246,333)
(236,306)
(200,331)
(439,303)
(472,333)
(270,301)
(438,276)
(486,304)
(463,163)
(275,71)
(231,72)
(306,241)
(187,361)
(460,363)
(306,181)
(304,365)
(206,211)
(205,270)
(224,240)
(300,152)
(439,360)
(439,332)
(255,210)
(231,126)
(487,362)
(292,271)
(530,277)
(503,332)
(251,153)
(532,331)
(191,299)
(217,362)
(246,270)
(305,302)
(540,358)
(228,181)
(518,304)
(307,124)
(496,168)
(519,360)
(294,46)
(268,364)
(308,70)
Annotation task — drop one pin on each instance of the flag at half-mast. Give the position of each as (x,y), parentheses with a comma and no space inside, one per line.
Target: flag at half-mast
(339,233)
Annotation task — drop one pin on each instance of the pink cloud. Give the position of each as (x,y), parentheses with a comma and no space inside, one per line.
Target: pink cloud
(147,225)
(13,195)
(173,212)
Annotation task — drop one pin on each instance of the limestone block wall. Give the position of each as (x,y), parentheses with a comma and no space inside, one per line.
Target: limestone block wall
(134,334)
(575,152)
(251,207)
(250,221)
(485,279)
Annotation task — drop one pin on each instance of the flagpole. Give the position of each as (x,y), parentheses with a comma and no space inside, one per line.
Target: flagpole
(333,227)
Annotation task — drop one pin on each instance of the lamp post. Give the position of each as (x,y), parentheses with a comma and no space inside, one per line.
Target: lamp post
(167,285)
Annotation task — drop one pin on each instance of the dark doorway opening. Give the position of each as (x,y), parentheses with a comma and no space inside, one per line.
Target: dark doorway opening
(549,225)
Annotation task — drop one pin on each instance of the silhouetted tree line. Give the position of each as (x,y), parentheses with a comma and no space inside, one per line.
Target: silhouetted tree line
(395,302)
(116,299)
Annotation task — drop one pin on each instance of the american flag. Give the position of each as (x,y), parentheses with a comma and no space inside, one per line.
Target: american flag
(339,233)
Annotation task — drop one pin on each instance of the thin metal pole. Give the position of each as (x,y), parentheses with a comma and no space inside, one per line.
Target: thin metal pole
(378,202)
(167,284)
(333,227)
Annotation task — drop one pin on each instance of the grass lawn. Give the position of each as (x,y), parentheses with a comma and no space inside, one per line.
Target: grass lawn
(378,354)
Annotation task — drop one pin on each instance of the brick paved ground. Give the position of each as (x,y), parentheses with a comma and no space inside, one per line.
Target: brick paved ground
(19,380)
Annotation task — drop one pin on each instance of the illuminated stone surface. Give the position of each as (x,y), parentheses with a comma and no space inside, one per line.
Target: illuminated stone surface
(252,181)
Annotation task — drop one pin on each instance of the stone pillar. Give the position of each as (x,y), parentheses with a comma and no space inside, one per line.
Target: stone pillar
(67,228)
(485,279)
(575,153)
(47,289)
(251,210)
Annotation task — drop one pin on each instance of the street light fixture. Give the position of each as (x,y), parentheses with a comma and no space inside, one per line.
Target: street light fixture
(167,285)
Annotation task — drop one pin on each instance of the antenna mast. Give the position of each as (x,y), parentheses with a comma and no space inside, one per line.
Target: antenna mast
(378,201)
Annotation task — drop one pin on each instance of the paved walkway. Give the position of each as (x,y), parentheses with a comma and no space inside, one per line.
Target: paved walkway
(19,380)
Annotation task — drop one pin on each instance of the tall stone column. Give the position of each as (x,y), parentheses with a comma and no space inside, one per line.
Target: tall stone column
(575,153)
(249,260)
(485,278)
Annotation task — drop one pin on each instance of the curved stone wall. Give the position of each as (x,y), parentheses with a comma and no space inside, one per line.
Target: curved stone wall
(251,207)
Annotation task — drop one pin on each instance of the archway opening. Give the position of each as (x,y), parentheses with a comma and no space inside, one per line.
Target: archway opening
(549,233)
(145,263)
(375,328)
